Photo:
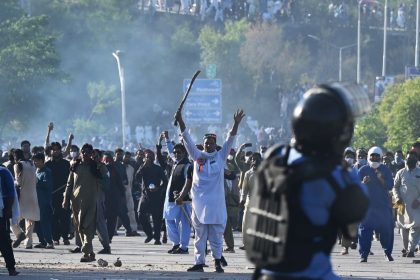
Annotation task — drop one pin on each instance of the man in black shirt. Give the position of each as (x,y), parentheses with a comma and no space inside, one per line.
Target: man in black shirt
(153,180)
(60,170)
(177,222)
(115,203)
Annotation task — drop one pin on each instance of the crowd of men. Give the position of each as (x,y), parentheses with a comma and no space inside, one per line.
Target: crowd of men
(338,12)
(61,194)
(393,182)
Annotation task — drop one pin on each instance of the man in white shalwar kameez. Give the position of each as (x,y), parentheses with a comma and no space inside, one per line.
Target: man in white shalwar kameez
(407,193)
(208,197)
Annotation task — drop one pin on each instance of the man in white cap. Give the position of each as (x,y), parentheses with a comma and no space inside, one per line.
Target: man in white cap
(378,179)
(209,214)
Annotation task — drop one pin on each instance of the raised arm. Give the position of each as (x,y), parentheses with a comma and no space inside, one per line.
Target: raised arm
(168,141)
(47,138)
(239,162)
(69,143)
(189,143)
(169,145)
(237,118)
(160,158)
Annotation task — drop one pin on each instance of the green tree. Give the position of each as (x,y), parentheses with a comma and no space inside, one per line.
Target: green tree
(222,49)
(394,123)
(390,95)
(102,98)
(183,40)
(269,56)
(370,131)
(219,48)
(402,120)
(28,59)
(9,10)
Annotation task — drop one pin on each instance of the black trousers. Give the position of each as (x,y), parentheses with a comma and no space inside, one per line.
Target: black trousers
(117,209)
(60,221)
(6,244)
(152,207)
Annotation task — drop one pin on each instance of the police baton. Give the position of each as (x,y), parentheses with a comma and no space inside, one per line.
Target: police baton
(186,213)
(60,188)
(176,195)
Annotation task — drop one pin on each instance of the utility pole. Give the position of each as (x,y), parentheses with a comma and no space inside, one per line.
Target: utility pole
(117,55)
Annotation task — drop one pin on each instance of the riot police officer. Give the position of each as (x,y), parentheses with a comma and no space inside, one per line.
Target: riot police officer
(315,193)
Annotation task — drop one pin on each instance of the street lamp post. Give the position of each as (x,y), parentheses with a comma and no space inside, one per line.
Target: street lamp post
(385,39)
(416,55)
(358,44)
(340,53)
(340,62)
(117,55)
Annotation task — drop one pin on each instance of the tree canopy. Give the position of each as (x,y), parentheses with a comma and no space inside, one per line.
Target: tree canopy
(72,41)
(394,123)
(268,55)
(28,58)
(402,119)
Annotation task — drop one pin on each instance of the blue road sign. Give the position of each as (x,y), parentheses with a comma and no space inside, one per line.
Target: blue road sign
(204,104)
(412,72)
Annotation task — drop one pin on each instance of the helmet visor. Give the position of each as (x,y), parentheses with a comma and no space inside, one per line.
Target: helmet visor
(355,96)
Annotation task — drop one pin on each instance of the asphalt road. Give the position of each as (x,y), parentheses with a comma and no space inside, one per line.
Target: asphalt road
(148,261)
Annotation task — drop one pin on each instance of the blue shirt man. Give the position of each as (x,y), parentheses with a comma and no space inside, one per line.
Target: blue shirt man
(44,188)
(7,185)
(316,199)
(378,179)
(322,194)
(8,197)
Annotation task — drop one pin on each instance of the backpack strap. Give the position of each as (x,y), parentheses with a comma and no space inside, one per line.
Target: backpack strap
(275,163)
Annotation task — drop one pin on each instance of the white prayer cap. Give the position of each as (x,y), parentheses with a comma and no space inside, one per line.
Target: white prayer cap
(375,150)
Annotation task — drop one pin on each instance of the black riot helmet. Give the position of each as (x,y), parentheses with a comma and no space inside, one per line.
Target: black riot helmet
(323,121)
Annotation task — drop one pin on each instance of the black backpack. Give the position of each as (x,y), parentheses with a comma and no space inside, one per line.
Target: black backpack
(267,221)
